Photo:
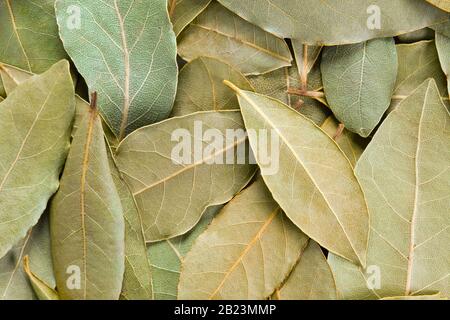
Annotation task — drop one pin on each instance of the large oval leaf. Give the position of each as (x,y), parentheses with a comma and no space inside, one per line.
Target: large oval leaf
(201,87)
(325,201)
(221,34)
(406,178)
(175,173)
(182,12)
(167,256)
(35,125)
(358,80)
(334,22)
(126,51)
(246,252)
(86,220)
(29,35)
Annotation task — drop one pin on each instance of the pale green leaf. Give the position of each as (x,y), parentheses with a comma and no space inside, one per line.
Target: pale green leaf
(335,22)
(358,80)
(35,125)
(86,222)
(309,176)
(175,174)
(182,12)
(201,87)
(221,34)
(126,51)
(246,252)
(405,175)
(167,256)
(311,278)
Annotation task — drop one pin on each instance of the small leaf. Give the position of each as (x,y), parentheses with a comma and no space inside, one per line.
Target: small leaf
(220,34)
(168,255)
(182,12)
(87,225)
(405,176)
(358,80)
(201,87)
(246,252)
(174,179)
(321,196)
(311,278)
(42,289)
(128,56)
(35,125)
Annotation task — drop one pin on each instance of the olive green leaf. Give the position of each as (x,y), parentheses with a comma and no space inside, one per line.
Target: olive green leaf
(86,221)
(442,4)
(246,252)
(201,87)
(167,256)
(358,80)
(137,281)
(35,125)
(14,283)
(405,176)
(126,51)
(182,12)
(221,34)
(416,36)
(278,83)
(175,173)
(314,184)
(29,35)
(335,22)
(311,278)
(443,48)
(416,63)
(350,143)
(42,290)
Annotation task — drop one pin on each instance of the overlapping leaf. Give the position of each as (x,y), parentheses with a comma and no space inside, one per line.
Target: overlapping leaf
(443,48)
(246,252)
(182,12)
(126,51)
(221,34)
(442,4)
(324,200)
(175,173)
(405,176)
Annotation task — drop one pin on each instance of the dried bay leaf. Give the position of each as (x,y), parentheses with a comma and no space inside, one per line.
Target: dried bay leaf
(171,194)
(306,57)
(86,222)
(221,34)
(336,22)
(358,80)
(311,278)
(441,4)
(443,48)
(323,198)
(168,255)
(201,87)
(29,35)
(12,76)
(43,290)
(182,12)
(14,283)
(35,125)
(137,280)
(350,143)
(235,257)
(131,60)
(405,175)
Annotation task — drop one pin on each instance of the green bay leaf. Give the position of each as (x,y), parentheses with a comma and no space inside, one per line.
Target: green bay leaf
(405,175)
(86,221)
(246,252)
(358,80)
(182,12)
(322,197)
(221,34)
(131,60)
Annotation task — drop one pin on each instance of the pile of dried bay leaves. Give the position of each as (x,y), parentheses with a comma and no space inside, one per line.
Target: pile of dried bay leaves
(222,149)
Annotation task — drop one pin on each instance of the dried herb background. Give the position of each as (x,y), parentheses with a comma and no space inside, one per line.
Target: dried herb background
(95,97)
